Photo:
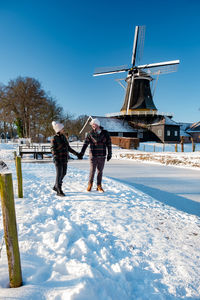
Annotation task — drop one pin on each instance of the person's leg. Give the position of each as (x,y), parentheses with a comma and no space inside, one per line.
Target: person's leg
(59,171)
(64,171)
(59,177)
(93,165)
(100,167)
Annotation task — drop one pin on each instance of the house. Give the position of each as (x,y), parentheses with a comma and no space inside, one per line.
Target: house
(165,131)
(194,131)
(184,135)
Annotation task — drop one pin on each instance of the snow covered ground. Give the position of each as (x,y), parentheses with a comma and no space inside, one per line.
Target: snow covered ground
(119,245)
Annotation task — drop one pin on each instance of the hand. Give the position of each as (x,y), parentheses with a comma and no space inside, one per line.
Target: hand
(109,157)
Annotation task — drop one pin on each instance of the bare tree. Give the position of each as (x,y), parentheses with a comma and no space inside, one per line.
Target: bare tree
(27,105)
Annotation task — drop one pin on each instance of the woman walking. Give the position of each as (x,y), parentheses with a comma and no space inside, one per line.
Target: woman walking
(60,149)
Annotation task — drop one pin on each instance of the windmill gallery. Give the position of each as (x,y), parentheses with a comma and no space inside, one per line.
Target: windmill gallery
(139,118)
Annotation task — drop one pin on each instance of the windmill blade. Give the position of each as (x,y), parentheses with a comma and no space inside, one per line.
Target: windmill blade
(113,70)
(161,68)
(161,64)
(138,44)
(135,45)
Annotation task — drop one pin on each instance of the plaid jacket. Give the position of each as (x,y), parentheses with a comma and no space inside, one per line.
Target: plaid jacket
(98,143)
(60,148)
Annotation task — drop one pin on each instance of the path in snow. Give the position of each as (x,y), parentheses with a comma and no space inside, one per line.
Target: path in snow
(174,186)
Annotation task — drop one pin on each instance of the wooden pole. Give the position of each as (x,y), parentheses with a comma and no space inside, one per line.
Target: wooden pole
(10,230)
(15,154)
(19,176)
(193,145)
(182,144)
(176,148)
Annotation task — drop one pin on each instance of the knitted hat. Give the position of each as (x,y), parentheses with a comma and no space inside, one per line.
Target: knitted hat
(57,126)
(95,121)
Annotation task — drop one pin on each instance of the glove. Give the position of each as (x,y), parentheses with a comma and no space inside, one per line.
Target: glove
(109,157)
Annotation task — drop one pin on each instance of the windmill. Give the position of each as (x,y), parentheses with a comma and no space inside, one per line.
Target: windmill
(138,97)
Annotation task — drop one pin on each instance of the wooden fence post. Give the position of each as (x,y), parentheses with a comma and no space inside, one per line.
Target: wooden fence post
(19,176)
(10,230)
(193,145)
(182,144)
(176,148)
(182,147)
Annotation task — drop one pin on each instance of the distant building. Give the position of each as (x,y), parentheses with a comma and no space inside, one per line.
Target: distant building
(166,130)
(184,135)
(194,131)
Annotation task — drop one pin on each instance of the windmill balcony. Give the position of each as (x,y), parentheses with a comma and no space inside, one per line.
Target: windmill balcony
(139,113)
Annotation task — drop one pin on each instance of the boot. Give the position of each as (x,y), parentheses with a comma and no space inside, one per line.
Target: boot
(60,192)
(55,188)
(89,188)
(99,189)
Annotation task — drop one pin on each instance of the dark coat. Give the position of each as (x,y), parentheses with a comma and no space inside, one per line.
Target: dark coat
(60,148)
(98,143)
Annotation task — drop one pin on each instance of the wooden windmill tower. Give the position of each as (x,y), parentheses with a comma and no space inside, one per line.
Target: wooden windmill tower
(138,101)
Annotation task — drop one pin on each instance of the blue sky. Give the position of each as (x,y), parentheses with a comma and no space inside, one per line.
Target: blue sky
(60,43)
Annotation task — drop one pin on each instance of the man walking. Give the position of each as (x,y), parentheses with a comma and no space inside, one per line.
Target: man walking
(100,146)
(60,149)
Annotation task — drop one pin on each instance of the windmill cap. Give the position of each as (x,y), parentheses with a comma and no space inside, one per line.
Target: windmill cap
(57,126)
(95,121)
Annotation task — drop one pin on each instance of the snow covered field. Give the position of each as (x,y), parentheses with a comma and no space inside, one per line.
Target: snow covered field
(119,245)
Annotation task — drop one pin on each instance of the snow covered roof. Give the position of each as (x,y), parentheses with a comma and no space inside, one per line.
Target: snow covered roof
(167,121)
(183,129)
(112,124)
(195,127)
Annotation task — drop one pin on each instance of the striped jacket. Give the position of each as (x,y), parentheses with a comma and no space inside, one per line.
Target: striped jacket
(100,144)
(60,148)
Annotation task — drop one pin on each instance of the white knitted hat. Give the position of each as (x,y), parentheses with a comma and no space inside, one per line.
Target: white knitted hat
(57,126)
(95,121)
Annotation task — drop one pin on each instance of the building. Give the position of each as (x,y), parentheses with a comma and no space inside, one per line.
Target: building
(194,131)
(165,131)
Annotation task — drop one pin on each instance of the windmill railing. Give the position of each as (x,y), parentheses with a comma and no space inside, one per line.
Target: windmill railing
(139,113)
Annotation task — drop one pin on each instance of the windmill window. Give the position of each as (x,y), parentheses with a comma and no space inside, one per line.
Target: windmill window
(159,132)
(168,132)
(175,133)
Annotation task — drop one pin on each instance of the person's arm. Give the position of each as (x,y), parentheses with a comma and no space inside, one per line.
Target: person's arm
(109,147)
(85,145)
(54,149)
(71,150)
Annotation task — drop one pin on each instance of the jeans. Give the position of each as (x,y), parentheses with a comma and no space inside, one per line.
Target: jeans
(61,171)
(96,163)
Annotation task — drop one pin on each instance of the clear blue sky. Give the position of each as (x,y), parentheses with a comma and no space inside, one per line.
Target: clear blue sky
(60,43)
